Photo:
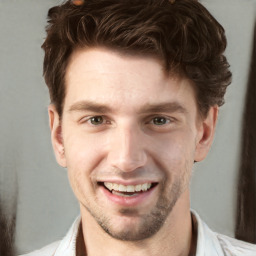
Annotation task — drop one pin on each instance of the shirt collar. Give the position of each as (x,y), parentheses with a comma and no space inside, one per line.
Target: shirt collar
(67,246)
(207,241)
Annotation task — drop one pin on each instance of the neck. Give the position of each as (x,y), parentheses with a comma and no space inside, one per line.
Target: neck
(173,239)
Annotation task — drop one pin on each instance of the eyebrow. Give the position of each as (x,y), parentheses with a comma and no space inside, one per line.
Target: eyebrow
(89,106)
(164,107)
(148,108)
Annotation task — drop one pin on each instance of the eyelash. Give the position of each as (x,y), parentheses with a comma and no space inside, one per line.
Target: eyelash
(89,119)
(168,120)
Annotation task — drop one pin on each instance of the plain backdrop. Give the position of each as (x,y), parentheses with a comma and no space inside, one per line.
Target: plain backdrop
(46,206)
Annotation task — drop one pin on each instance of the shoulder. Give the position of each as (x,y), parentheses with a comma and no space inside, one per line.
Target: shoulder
(48,250)
(234,247)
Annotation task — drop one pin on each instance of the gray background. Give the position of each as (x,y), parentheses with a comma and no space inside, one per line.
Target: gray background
(29,174)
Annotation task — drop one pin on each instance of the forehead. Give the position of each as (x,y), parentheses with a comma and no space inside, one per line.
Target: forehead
(108,77)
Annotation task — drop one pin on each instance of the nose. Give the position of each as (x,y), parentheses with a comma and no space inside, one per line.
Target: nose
(126,151)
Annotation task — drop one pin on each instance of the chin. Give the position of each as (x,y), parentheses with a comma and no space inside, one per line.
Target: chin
(130,226)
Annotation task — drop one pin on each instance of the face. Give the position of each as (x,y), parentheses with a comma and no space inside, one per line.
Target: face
(129,136)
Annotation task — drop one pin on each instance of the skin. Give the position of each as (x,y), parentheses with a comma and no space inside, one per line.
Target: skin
(148,129)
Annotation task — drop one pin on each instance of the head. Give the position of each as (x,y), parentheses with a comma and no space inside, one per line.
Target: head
(135,87)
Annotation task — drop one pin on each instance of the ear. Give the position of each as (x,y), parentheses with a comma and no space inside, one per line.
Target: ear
(206,130)
(56,135)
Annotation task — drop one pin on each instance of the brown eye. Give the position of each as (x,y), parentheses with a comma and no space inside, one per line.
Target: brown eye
(96,120)
(160,120)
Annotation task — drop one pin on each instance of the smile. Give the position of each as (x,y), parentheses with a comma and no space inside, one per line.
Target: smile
(129,190)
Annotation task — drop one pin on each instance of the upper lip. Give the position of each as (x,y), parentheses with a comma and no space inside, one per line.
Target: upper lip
(127,182)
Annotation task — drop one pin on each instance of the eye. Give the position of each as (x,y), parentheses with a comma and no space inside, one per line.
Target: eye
(96,120)
(160,120)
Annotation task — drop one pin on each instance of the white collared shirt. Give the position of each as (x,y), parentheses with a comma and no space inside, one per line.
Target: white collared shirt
(209,243)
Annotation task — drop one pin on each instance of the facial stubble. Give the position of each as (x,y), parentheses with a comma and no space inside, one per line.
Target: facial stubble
(151,222)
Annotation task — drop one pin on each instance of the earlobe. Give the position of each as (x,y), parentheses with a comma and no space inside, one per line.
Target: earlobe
(206,134)
(56,135)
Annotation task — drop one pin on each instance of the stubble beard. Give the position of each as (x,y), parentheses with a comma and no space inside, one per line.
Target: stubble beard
(149,223)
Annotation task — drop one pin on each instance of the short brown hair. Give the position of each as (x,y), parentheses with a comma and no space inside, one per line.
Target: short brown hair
(182,33)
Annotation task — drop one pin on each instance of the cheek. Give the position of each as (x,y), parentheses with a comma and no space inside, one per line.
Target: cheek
(82,150)
(175,156)
(176,147)
(82,156)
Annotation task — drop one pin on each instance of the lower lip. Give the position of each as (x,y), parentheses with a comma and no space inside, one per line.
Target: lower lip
(128,201)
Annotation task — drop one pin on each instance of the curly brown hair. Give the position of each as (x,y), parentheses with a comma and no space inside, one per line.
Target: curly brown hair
(182,33)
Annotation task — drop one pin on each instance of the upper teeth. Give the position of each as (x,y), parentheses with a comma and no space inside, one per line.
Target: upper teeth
(129,188)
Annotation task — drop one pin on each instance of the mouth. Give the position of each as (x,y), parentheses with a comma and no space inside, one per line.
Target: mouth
(127,190)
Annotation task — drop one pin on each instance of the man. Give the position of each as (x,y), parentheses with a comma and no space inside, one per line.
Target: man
(135,88)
